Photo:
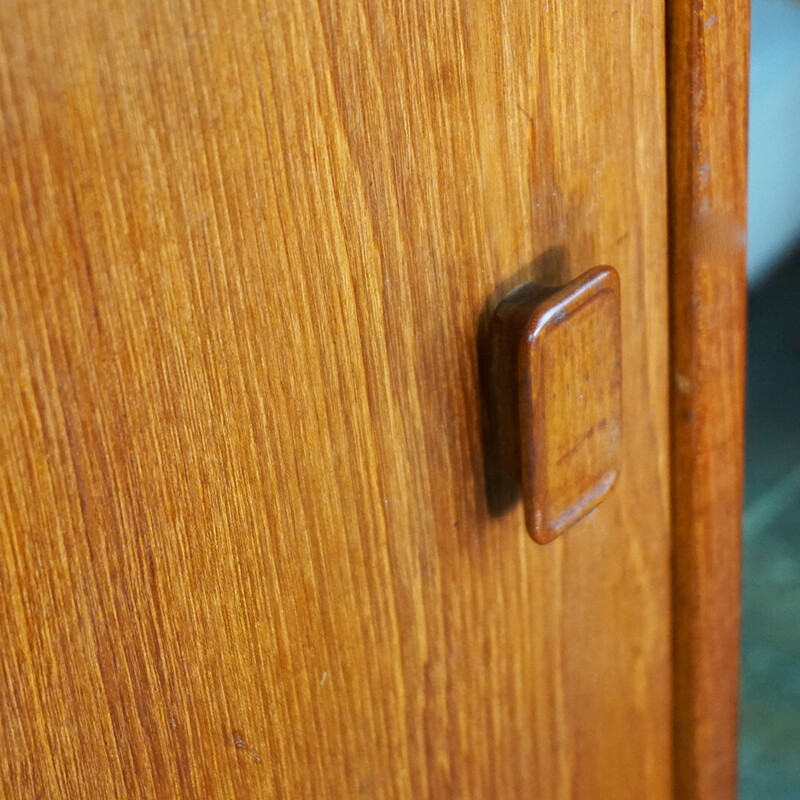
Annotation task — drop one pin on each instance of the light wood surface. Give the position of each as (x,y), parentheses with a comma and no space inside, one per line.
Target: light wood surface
(708,69)
(245,546)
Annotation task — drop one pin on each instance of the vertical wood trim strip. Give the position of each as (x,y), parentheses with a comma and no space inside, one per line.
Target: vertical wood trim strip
(707,82)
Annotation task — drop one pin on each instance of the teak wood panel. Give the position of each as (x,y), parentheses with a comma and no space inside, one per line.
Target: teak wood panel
(246,547)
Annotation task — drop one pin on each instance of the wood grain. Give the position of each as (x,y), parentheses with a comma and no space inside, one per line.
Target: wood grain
(708,69)
(245,546)
(571,383)
(554,396)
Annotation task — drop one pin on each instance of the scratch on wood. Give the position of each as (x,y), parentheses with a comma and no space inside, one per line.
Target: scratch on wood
(237,740)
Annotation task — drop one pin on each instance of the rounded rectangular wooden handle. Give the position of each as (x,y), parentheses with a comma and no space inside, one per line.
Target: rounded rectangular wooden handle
(557,374)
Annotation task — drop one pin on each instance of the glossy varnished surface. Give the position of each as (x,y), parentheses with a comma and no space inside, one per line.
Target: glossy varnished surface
(245,547)
(551,383)
(570,384)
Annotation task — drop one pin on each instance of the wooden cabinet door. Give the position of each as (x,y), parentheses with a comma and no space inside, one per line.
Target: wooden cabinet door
(245,251)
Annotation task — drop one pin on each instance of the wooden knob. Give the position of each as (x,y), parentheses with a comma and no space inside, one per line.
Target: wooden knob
(555,366)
